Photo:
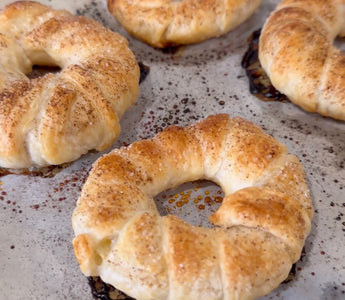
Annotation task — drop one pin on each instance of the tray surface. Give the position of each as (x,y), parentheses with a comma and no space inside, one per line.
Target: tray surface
(36,254)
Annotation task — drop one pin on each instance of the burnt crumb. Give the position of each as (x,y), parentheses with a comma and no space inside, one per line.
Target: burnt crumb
(104,291)
(259,83)
(144,71)
(184,100)
(329,150)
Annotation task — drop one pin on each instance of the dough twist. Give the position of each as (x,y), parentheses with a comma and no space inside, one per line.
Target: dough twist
(58,117)
(163,23)
(296,51)
(260,228)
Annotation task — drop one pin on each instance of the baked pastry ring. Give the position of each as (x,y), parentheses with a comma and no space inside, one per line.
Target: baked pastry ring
(296,51)
(260,228)
(163,23)
(58,117)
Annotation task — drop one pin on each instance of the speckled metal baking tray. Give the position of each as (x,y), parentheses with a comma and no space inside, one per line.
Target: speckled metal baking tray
(190,83)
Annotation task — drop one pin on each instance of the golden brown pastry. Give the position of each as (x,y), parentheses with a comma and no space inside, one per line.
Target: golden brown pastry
(260,228)
(58,117)
(163,23)
(296,50)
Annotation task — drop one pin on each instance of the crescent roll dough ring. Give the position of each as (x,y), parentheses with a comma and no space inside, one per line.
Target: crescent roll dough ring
(260,228)
(163,23)
(296,51)
(58,117)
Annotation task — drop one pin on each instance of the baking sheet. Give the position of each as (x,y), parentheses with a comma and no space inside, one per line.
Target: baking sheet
(36,254)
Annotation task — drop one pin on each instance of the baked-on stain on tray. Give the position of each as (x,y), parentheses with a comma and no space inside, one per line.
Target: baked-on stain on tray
(44,172)
(259,83)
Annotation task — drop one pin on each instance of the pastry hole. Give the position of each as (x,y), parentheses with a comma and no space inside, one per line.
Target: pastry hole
(193,202)
(40,71)
(103,249)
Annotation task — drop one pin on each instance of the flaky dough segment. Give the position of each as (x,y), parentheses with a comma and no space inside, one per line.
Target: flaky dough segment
(296,50)
(163,23)
(58,117)
(260,228)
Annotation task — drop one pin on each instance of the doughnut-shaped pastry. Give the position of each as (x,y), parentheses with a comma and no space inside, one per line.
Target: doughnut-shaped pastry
(260,228)
(296,51)
(163,23)
(58,117)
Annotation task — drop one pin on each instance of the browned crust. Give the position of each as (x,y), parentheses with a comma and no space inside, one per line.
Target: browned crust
(296,51)
(163,23)
(264,218)
(79,107)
